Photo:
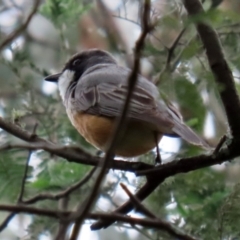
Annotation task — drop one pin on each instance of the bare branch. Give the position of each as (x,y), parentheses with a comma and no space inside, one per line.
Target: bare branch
(166,226)
(22,28)
(32,210)
(185,165)
(138,24)
(20,197)
(138,205)
(12,215)
(72,154)
(153,223)
(7,220)
(65,193)
(220,144)
(141,194)
(166,170)
(219,66)
(167,67)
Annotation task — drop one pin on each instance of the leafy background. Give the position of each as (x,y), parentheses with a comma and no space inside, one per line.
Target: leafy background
(205,202)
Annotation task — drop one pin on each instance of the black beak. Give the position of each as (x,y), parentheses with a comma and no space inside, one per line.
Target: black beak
(53,77)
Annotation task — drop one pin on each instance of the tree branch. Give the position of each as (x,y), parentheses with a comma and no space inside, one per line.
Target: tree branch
(138,205)
(65,193)
(61,215)
(72,154)
(141,194)
(22,28)
(166,226)
(167,67)
(7,220)
(185,165)
(33,210)
(219,66)
(20,197)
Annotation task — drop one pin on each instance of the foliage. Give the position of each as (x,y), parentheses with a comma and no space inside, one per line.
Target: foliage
(66,11)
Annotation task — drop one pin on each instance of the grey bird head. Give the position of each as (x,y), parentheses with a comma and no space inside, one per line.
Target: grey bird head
(77,65)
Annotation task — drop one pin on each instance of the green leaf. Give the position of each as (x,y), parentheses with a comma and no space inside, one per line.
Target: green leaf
(190,102)
(59,11)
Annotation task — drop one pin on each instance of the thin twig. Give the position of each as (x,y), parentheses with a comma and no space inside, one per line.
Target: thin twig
(141,194)
(138,24)
(150,223)
(167,67)
(139,206)
(33,210)
(173,47)
(220,144)
(166,226)
(20,197)
(65,193)
(6,221)
(18,31)
(127,19)
(83,210)
(178,57)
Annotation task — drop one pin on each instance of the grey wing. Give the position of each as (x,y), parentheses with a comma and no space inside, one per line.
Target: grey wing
(102,91)
(107,97)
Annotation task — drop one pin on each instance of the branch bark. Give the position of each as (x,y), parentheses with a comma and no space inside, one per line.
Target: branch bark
(72,154)
(218,64)
(141,194)
(63,194)
(62,215)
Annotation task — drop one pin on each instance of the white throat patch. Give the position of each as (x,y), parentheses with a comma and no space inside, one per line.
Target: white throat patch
(64,81)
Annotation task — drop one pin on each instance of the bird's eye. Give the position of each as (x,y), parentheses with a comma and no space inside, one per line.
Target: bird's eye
(76,62)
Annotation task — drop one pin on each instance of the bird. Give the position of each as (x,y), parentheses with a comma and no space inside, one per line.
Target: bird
(93,88)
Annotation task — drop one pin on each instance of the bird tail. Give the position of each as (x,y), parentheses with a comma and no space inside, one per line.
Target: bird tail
(188,134)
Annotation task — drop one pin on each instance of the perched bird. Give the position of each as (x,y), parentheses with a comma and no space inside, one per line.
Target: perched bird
(93,88)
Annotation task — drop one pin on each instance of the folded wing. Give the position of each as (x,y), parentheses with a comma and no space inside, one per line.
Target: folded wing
(102,91)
